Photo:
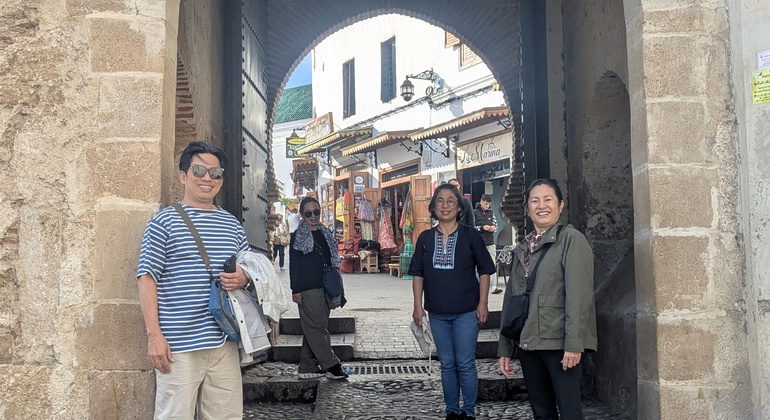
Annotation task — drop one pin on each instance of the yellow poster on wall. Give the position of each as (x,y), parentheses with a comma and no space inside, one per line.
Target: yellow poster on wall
(760,87)
(339,209)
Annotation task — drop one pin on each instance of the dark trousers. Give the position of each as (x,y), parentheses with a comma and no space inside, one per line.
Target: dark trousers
(549,386)
(278,250)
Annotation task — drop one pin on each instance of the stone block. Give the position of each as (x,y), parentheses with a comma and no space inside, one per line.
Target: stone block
(680,197)
(113,338)
(665,61)
(693,19)
(125,169)
(121,395)
(685,351)
(86,7)
(681,275)
(116,252)
(677,133)
(7,345)
(121,45)
(130,107)
(23,389)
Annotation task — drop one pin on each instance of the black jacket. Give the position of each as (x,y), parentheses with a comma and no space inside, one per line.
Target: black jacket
(485,218)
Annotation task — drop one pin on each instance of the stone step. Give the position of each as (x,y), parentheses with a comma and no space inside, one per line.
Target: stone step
(486,345)
(287,348)
(493,319)
(277,382)
(290,325)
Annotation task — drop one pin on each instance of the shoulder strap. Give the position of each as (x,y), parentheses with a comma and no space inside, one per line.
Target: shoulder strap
(196,236)
(544,249)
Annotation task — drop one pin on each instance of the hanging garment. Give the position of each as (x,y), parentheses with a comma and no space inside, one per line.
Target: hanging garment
(386,230)
(367,230)
(366,211)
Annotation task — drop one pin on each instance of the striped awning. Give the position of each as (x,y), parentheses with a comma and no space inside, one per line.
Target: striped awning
(381,140)
(462,123)
(331,139)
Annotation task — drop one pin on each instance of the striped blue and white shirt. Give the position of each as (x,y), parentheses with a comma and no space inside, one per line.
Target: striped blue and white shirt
(170,255)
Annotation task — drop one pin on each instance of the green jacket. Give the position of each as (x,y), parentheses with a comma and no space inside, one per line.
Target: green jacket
(562,313)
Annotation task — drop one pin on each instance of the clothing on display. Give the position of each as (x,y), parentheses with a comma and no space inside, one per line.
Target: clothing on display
(384,211)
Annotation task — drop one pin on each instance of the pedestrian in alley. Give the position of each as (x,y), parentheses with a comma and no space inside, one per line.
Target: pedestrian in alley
(280,240)
(557,260)
(293,219)
(196,369)
(446,261)
(486,224)
(312,248)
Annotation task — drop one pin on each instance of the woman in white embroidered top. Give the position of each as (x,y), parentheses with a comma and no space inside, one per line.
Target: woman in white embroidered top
(445,265)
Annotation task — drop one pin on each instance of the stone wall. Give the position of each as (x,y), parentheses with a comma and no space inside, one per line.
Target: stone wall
(754,125)
(84,87)
(691,338)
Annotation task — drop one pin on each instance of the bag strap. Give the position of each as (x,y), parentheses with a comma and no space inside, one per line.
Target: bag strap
(544,249)
(196,236)
(323,260)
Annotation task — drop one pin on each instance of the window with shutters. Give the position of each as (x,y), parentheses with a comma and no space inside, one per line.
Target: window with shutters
(450,40)
(388,70)
(468,58)
(349,88)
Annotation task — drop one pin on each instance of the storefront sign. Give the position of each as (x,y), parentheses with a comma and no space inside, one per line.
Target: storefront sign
(484,151)
(292,144)
(319,128)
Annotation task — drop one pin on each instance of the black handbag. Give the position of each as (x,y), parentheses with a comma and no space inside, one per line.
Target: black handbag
(516,309)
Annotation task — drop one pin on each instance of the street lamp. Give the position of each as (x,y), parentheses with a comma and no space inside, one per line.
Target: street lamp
(407,88)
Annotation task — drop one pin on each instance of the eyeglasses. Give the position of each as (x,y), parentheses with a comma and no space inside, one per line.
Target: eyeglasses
(309,214)
(200,171)
(449,203)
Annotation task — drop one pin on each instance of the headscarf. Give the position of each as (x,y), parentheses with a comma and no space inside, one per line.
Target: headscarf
(303,241)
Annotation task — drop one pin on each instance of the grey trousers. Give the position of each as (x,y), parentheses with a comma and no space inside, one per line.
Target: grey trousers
(316,341)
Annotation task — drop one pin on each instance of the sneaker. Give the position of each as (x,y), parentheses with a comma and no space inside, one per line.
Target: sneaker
(311,375)
(497,291)
(453,416)
(465,416)
(336,372)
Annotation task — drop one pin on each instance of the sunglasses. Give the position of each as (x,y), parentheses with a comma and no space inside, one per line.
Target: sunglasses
(309,214)
(200,171)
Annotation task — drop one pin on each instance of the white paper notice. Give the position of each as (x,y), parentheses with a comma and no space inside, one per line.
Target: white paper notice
(763,59)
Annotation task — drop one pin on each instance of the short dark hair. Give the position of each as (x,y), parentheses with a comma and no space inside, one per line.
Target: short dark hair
(544,181)
(455,191)
(486,197)
(305,201)
(199,148)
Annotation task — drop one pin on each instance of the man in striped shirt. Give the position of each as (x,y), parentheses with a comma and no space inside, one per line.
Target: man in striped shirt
(196,369)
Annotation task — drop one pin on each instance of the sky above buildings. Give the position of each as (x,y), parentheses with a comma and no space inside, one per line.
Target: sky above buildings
(301,75)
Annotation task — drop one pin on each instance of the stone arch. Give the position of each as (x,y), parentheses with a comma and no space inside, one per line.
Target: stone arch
(604,212)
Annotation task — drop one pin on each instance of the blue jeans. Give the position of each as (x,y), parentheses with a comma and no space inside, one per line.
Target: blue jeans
(455,336)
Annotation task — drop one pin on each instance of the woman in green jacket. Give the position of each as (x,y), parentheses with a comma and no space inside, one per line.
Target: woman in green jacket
(562,316)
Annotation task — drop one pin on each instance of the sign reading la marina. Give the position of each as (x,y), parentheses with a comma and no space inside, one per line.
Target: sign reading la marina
(484,151)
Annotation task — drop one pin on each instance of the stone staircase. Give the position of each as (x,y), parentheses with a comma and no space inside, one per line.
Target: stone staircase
(288,343)
(486,345)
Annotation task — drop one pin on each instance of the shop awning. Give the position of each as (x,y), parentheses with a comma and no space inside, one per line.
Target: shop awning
(331,139)
(305,172)
(381,140)
(463,123)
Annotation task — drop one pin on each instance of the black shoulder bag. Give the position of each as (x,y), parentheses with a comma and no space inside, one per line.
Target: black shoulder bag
(219,302)
(332,278)
(517,308)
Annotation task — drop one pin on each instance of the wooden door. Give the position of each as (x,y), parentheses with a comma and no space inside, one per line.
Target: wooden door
(374,195)
(421,193)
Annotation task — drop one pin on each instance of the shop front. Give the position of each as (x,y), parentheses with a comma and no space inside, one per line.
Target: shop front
(484,167)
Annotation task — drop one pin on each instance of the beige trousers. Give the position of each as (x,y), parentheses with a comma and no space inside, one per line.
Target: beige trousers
(206,380)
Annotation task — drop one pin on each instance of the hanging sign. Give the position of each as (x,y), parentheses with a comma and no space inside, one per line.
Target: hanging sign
(319,128)
(292,144)
(484,151)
